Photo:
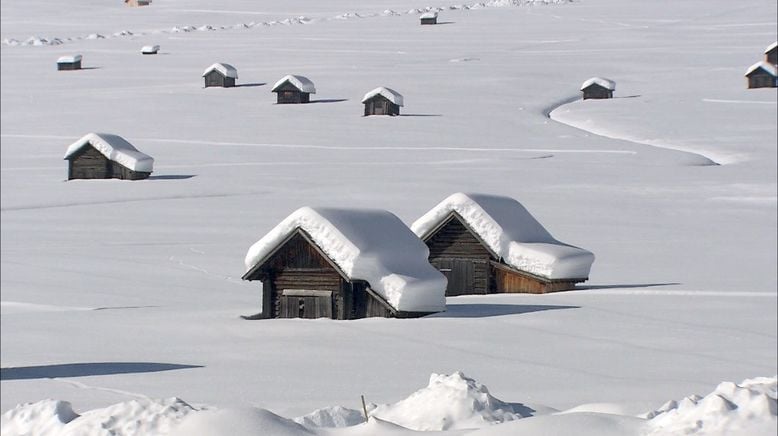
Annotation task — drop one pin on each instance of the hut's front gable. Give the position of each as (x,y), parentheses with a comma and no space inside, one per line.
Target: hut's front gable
(291,90)
(762,75)
(382,101)
(220,75)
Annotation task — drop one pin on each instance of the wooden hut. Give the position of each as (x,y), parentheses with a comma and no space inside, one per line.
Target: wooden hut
(487,244)
(149,49)
(762,75)
(343,264)
(136,3)
(382,101)
(69,62)
(598,87)
(771,54)
(220,75)
(106,156)
(429,18)
(293,89)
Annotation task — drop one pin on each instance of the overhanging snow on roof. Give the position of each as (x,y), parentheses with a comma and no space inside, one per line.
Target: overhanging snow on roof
(225,69)
(300,82)
(605,83)
(390,94)
(115,148)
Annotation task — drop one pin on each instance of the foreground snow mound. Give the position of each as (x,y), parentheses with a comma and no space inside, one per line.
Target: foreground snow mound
(748,408)
(448,402)
(56,418)
(238,422)
(331,417)
(578,424)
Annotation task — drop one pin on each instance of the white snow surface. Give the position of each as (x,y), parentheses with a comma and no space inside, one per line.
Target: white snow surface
(300,82)
(115,148)
(367,244)
(762,65)
(68,59)
(390,94)
(511,233)
(605,83)
(226,69)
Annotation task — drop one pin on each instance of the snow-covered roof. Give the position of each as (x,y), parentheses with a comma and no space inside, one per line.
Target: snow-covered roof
(366,244)
(149,49)
(69,59)
(511,233)
(226,69)
(389,93)
(300,82)
(115,148)
(770,68)
(429,15)
(771,47)
(605,83)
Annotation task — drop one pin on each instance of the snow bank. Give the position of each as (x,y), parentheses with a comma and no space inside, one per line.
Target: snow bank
(768,67)
(300,82)
(605,83)
(512,233)
(226,69)
(389,94)
(448,402)
(115,148)
(238,422)
(748,408)
(370,245)
(56,418)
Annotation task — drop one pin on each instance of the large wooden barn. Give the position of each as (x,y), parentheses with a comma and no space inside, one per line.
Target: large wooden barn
(487,244)
(382,101)
(106,156)
(762,75)
(771,54)
(293,89)
(220,75)
(65,63)
(597,88)
(343,264)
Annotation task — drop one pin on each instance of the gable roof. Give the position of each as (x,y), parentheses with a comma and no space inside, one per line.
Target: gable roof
(365,244)
(771,47)
(601,81)
(388,93)
(115,148)
(766,66)
(226,70)
(69,59)
(300,82)
(510,231)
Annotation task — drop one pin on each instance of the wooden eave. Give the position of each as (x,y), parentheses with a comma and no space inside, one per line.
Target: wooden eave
(505,267)
(305,236)
(454,215)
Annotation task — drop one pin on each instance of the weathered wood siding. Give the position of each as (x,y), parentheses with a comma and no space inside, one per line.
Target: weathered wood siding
(64,66)
(597,92)
(507,280)
(215,78)
(91,164)
(772,56)
(762,79)
(429,20)
(380,105)
(290,94)
(461,257)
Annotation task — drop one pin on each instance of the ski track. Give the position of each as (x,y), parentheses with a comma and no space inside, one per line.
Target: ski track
(204,271)
(80,385)
(42,41)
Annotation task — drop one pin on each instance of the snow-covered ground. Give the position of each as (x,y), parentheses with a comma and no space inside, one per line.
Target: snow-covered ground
(120,298)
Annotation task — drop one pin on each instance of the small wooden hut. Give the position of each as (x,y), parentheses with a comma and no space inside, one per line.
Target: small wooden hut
(220,75)
(293,89)
(106,156)
(597,88)
(771,54)
(149,49)
(382,101)
(487,244)
(429,18)
(136,3)
(762,75)
(65,63)
(343,264)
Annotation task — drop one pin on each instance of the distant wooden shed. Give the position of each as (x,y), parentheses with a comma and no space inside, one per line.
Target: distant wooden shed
(149,49)
(382,101)
(343,264)
(106,156)
(293,89)
(762,75)
(487,244)
(72,62)
(220,75)
(429,18)
(771,54)
(135,3)
(597,88)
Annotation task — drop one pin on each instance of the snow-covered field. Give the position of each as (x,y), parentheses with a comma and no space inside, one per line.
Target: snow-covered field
(121,300)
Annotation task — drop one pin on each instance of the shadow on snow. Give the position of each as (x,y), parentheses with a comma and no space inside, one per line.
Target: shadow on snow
(86,369)
(487,310)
